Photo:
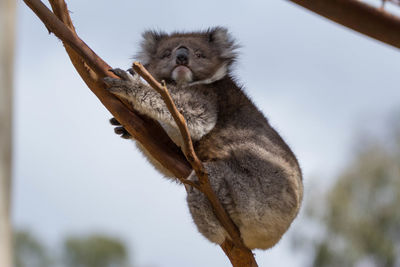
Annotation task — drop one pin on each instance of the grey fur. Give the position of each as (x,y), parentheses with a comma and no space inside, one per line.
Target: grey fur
(149,45)
(254,173)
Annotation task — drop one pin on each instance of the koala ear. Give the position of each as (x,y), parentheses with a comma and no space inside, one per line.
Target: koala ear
(149,45)
(223,40)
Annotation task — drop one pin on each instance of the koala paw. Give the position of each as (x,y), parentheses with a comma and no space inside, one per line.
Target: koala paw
(120,130)
(125,85)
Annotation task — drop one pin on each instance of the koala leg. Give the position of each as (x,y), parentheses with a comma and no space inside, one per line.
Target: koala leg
(200,207)
(259,196)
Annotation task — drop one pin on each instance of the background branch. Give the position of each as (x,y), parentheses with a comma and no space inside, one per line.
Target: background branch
(359,16)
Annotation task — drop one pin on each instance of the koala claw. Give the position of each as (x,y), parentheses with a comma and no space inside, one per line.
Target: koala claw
(120,130)
(124,85)
(114,121)
(122,74)
(131,71)
(124,77)
(114,82)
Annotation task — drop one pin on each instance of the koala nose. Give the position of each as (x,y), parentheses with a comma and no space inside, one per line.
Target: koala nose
(182,56)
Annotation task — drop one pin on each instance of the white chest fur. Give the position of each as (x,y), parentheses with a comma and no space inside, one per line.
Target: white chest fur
(173,133)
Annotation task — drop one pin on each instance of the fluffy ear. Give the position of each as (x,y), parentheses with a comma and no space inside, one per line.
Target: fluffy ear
(224,41)
(149,45)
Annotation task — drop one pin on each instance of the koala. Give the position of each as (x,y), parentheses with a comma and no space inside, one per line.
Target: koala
(254,173)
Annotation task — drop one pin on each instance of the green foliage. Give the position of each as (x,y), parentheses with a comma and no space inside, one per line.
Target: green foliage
(28,251)
(362,216)
(89,251)
(94,251)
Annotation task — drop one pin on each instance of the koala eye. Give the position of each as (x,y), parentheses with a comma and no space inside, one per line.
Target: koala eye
(166,54)
(198,54)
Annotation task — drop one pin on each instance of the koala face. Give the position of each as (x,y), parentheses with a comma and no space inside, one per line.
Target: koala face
(184,58)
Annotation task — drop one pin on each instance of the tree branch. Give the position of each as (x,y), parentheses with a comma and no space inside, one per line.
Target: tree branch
(149,133)
(358,16)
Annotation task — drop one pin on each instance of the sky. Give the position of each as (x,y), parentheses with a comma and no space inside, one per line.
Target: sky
(319,84)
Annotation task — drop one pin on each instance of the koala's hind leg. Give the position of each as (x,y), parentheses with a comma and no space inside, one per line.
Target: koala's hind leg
(200,207)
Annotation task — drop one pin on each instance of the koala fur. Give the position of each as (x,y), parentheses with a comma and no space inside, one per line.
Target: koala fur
(252,170)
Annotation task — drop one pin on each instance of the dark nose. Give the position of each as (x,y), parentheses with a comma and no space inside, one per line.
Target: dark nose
(182,56)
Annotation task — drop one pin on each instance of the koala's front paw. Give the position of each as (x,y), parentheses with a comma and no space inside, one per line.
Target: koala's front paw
(126,85)
(120,130)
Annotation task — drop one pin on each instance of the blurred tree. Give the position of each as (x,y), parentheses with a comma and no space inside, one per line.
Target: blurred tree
(28,251)
(362,215)
(94,251)
(7,32)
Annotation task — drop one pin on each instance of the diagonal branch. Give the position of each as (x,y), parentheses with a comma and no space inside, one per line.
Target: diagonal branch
(359,16)
(92,69)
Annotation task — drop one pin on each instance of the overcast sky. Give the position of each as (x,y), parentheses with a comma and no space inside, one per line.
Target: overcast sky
(317,82)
